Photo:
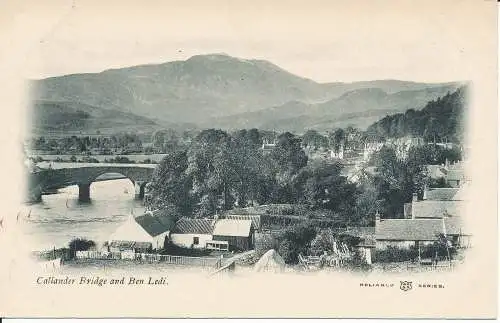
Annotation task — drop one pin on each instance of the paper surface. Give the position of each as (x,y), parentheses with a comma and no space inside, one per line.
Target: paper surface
(326,41)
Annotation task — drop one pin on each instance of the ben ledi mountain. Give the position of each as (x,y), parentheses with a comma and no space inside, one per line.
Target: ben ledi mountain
(222,91)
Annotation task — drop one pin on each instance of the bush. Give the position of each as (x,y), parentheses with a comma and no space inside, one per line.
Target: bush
(395,254)
(174,250)
(295,240)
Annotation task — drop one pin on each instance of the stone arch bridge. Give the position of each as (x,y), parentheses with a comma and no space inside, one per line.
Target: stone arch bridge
(55,175)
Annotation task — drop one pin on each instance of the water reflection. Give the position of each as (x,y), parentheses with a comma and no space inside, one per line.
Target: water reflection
(61,217)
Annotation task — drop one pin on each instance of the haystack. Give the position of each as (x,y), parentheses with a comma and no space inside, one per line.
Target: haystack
(271,261)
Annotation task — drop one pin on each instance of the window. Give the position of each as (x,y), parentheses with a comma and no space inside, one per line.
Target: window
(196,240)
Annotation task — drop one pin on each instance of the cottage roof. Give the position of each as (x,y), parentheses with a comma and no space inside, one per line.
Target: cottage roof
(455,175)
(154,225)
(232,228)
(255,218)
(441,194)
(416,229)
(198,226)
(360,232)
(436,209)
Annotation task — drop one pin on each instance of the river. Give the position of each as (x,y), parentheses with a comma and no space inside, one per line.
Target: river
(60,217)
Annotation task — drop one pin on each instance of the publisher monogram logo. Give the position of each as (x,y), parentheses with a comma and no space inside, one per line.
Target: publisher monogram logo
(405,286)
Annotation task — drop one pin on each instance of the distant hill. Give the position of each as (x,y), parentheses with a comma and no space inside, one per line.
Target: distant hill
(441,119)
(205,88)
(186,91)
(69,117)
(359,108)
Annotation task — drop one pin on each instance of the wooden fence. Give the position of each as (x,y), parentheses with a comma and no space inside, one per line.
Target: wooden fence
(175,260)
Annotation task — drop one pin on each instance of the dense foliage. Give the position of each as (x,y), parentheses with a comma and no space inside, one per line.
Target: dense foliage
(221,171)
(440,120)
(397,179)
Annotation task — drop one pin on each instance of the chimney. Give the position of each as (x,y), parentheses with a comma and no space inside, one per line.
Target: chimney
(377,218)
(447,163)
(216,217)
(415,197)
(426,188)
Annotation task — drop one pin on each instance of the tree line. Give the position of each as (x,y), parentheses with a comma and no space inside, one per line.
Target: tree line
(441,120)
(220,171)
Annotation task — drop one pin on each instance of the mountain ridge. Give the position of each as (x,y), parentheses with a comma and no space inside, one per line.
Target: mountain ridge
(205,88)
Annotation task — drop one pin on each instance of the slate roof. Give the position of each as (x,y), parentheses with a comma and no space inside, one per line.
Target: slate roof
(360,232)
(232,228)
(440,194)
(436,209)
(455,175)
(196,226)
(416,229)
(154,225)
(255,218)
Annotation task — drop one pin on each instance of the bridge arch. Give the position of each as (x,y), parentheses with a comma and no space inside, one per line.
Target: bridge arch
(83,175)
(138,180)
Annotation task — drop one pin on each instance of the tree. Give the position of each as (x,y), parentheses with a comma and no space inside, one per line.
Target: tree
(171,185)
(314,140)
(440,120)
(337,138)
(323,187)
(367,203)
(288,154)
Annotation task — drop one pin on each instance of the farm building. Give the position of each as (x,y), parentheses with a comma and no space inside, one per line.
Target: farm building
(192,233)
(255,218)
(144,229)
(438,203)
(406,233)
(238,233)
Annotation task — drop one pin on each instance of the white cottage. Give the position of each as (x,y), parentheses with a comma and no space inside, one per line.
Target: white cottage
(143,229)
(192,233)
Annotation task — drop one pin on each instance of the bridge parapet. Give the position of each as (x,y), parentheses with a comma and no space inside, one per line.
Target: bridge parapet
(58,175)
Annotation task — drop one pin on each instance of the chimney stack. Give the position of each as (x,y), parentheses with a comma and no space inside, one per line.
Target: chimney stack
(216,217)
(426,188)
(415,197)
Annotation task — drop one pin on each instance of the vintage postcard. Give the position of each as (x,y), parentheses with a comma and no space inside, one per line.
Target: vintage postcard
(249,159)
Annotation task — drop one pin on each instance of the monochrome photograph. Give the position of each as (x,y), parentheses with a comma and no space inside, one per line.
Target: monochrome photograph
(224,144)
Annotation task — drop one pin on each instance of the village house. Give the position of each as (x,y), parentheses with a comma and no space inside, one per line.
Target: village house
(239,234)
(337,154)
(440,212)
(144,232)
(406,233)
(438,203)
(267,147)
(192,233)
(453,174)
(255,218)
(366,240)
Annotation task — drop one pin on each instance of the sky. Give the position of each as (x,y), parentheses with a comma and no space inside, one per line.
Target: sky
(326,41)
